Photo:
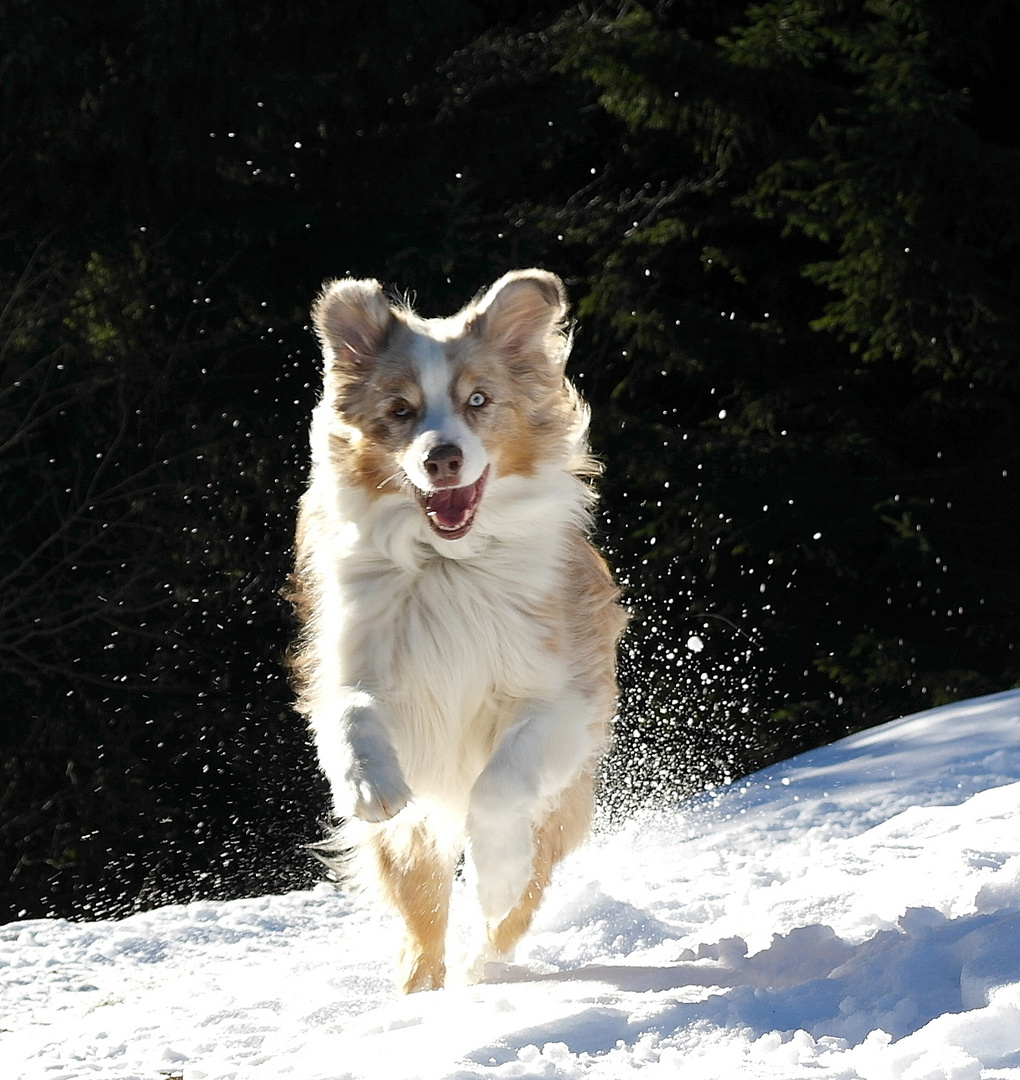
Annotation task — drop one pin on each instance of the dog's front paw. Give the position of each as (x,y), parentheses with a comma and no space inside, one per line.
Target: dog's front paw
(370,784)
(502,853)
(379,797)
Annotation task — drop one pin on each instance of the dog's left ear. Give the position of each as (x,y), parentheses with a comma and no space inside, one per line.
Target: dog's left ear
(523,313)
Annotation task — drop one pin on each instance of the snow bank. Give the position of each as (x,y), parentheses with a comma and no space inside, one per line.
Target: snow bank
(851,913)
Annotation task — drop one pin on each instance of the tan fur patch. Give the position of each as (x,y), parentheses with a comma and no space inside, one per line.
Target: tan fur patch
(416,880)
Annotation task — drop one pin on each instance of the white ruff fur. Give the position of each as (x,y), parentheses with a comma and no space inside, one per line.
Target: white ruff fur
(451,701)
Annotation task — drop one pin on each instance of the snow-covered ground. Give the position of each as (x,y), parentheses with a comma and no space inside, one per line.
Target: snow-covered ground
(851,913)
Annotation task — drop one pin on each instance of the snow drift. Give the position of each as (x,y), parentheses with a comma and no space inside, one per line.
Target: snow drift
(851,913)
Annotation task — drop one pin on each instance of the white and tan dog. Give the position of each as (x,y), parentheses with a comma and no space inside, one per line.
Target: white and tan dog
(458,656)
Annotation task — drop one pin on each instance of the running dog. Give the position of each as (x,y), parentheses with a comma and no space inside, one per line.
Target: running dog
(457,659)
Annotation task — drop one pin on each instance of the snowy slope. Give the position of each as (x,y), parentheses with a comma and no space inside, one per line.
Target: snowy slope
(851,913)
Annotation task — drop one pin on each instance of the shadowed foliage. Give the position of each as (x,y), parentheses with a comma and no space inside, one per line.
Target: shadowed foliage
(789,232)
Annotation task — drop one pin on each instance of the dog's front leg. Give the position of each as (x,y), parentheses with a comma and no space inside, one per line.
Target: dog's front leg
(358,759)
(532,763)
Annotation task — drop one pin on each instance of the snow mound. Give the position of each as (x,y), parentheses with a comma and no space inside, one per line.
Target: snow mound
(850,913)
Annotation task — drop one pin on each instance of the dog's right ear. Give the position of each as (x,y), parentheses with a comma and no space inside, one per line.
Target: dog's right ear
(352,321)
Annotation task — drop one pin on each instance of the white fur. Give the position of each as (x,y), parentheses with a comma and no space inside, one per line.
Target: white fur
(434,681)
(441,424)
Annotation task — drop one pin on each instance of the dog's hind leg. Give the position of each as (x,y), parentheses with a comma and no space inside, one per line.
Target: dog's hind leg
(416,878)
(563,829)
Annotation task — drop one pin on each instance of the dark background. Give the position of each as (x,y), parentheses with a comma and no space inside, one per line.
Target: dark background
(790,236)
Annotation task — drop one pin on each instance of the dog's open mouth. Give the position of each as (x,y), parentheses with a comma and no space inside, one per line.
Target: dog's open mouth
(451,511)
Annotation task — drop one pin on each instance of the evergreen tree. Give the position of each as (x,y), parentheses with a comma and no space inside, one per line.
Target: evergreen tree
(803,250)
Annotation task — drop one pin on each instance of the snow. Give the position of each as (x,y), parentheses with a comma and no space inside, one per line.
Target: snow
(851,913)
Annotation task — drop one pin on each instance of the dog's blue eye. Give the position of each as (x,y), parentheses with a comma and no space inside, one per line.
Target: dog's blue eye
(400,410)
(477,400)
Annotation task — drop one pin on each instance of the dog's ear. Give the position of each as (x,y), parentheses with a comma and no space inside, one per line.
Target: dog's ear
(523,314)
(352,321)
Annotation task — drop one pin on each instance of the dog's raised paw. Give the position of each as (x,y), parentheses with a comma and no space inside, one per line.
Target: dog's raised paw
(502,856)
(499,895)
(379,799)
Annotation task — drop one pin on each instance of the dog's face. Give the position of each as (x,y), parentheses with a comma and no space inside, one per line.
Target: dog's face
(439,408)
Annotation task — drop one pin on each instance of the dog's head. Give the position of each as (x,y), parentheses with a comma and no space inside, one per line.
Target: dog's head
(441,408)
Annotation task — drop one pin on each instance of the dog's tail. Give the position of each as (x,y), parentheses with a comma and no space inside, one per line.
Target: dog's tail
(334,853)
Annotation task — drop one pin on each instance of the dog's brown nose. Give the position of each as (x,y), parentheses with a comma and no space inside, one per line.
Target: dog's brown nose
(443,463)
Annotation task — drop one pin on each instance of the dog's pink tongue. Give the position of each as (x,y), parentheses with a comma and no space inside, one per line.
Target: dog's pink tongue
(451,506)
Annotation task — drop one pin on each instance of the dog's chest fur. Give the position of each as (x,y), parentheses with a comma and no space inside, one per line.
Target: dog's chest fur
(453,644)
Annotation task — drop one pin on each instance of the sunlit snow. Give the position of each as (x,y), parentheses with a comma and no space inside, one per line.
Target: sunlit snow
(851,913)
